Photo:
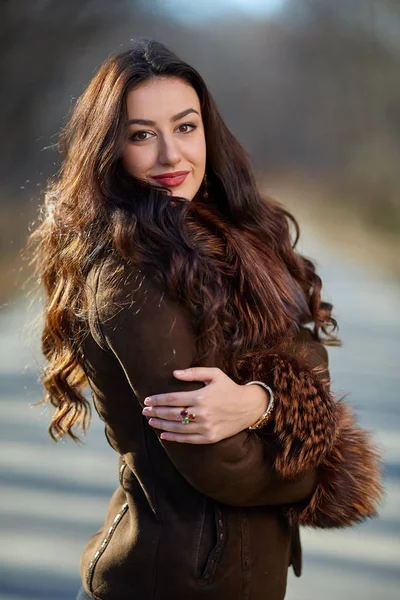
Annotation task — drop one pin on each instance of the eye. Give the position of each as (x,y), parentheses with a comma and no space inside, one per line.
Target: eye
(191,125)
(135,137)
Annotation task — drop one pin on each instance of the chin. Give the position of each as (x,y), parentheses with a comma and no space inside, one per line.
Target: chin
(183,194)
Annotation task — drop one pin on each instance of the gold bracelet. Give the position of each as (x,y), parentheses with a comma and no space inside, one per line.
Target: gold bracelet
(265,417)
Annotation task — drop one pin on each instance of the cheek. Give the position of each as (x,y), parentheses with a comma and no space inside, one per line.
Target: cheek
(198,153)
(137,161)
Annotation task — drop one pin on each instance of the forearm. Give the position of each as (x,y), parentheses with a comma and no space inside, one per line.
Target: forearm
(257,402)
(243,475)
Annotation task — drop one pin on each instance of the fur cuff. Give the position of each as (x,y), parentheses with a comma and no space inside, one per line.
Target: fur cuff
(312,430)
(305,420)
(305,417)
(349,481)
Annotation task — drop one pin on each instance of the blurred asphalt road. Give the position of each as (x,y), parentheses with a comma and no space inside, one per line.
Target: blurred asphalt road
(53,497)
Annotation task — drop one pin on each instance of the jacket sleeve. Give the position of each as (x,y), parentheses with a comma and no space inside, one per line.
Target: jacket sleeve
(150,335)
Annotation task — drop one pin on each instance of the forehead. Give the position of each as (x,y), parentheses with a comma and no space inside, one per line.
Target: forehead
(161,98)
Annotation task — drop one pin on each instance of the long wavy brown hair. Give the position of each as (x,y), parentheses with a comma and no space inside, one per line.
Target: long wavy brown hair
(228,256)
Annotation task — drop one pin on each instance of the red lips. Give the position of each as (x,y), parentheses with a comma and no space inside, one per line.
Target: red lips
(167,175)
(171,179)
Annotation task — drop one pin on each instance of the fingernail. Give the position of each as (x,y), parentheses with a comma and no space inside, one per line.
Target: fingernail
(146,411)
(147,401)
(179,372)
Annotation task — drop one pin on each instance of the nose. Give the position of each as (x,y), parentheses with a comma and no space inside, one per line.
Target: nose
(169,153)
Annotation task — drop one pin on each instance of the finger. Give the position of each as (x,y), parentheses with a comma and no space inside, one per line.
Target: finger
(174,399)
(183,438)
(165,412)
(173,426)
(206,374)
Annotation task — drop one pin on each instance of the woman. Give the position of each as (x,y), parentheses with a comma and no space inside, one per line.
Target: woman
(158,254)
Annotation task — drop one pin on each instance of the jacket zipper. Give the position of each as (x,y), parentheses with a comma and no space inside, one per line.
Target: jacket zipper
(121,473)
(103,546)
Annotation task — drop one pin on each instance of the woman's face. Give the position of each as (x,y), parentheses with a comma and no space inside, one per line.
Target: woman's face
(165,142)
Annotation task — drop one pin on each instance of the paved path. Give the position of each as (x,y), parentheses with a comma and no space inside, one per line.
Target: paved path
(52,497)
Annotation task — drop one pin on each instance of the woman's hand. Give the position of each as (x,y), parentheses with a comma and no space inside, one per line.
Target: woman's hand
(222,408)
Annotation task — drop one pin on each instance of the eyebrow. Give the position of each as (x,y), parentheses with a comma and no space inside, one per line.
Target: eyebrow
(173,119)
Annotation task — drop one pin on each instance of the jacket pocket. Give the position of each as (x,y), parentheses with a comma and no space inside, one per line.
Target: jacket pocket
(100,551)
(211,540)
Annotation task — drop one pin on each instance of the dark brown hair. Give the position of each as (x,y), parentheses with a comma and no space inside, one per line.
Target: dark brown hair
(227,256)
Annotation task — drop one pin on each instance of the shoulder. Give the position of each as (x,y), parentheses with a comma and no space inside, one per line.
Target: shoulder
(125,299)
(117,291)
(114,283)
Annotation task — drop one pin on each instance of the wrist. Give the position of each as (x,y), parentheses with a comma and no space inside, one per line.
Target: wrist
(257,401)
(266,415)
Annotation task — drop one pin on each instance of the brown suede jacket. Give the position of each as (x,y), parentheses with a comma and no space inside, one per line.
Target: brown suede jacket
(217,521)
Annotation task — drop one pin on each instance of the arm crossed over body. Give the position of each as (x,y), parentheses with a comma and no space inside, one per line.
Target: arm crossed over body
(311,458)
